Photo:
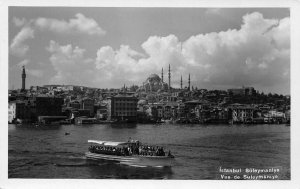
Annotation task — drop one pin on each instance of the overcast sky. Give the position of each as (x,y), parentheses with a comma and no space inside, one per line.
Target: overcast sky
(110,47)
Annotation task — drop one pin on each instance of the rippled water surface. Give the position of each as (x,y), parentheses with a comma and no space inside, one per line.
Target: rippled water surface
(200,150)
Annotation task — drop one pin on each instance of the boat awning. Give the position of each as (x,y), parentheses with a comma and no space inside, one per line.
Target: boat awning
(107,143)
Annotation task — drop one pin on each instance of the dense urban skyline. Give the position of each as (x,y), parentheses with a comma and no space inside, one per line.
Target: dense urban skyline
(107,47)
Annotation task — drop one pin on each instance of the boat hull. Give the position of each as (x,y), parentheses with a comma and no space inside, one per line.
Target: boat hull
(135,160)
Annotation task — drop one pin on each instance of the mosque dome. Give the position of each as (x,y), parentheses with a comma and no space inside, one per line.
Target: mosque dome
(154,78)
(154,83)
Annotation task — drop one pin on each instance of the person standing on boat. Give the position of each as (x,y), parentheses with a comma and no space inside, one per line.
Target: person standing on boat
(129,151)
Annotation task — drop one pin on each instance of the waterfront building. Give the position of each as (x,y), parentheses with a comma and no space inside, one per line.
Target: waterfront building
(87,104)
(16,109)
(171,110)
(160,112)
(100,110)
(47,106)
(192,108)
(242,114)
(287,115)
(219,115)
(48,120)
(180,110)
(11,112)
(101,113)
(152,112)
(207,114)
(167,112)
(122,107)
(275,116)
(84,120)
(19,109)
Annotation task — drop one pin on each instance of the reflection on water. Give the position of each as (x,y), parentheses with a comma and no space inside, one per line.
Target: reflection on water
(199,150)
(123,126)
(36,127)
(105,169)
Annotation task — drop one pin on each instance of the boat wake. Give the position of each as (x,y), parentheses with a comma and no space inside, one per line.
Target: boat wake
(141,166)
(133,165)
(71,165)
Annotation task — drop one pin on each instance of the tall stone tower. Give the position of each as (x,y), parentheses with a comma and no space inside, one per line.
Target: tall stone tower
(162,75)
(23,78)
(181,82)
(169,77)
(189,82)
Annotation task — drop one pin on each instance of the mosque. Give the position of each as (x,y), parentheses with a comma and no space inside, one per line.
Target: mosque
(154,83)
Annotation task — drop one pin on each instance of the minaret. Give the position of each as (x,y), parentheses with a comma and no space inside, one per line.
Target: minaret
(162,75)
(181,82)
(23,78)
(169,77)
(189,82)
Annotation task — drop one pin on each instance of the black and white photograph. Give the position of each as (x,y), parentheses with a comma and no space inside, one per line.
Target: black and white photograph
(149,93)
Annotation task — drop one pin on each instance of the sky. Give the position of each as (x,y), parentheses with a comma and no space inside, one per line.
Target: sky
(220,48)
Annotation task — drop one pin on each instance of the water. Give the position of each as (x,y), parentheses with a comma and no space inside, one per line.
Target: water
(200,150)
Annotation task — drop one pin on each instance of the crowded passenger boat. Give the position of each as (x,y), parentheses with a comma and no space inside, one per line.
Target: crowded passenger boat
(131,152)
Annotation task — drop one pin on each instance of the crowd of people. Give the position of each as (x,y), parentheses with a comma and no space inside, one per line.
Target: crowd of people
(134,149)
(107,150)
(151,151)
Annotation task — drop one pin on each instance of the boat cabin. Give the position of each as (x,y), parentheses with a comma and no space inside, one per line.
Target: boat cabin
(132,147)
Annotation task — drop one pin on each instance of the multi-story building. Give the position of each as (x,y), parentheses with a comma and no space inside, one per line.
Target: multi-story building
(167,112)
(87,104)
(122,107)
(242,91)
(48,106)
(11,112)
(190,107)
(18,110)
(160,111)
(242,114)
(181,110)
(170,110)
(74,104)
(100,110)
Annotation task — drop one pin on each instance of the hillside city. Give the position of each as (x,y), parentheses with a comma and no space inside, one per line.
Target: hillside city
(154,101)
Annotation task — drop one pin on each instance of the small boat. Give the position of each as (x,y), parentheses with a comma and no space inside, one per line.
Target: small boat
(131,153)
